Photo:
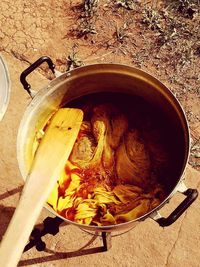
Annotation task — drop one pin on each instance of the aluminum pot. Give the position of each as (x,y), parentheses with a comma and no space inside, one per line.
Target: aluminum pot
(113,78)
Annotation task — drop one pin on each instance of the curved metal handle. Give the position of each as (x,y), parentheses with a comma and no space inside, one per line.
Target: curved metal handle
(31,68)
(191,195)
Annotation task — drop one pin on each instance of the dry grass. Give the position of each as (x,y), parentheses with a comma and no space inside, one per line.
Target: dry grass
(162,35)
(73,60)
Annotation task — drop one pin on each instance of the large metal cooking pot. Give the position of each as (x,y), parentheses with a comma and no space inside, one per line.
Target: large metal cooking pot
(116,79)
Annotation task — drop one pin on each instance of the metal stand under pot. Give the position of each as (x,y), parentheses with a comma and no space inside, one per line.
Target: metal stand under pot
(51,226)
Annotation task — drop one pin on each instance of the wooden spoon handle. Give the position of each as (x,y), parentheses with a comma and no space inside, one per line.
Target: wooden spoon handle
(49,161)
(20,228)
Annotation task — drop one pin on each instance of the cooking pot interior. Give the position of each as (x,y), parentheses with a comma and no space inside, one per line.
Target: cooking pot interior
(134,91)
(142,94)
(143,115)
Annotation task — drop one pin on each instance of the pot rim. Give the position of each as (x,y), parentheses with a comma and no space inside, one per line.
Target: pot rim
(6,84)
(69,73)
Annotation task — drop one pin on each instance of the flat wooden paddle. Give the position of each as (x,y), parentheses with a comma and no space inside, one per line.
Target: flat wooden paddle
(50,159)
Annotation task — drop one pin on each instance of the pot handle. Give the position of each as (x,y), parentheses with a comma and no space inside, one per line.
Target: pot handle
(31,68)
(191,195)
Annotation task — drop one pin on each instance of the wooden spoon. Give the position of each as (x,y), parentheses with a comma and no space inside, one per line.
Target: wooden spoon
(50,159)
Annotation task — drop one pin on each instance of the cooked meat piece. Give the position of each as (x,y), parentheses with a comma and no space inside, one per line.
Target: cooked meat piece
(116,123)
(85,154)
(84,146)
(108,156)
(132,160)
(119,125)
(83,150)
(86,128)
(99,133)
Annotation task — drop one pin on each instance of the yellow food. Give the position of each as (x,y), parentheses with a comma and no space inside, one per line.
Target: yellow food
(110,176)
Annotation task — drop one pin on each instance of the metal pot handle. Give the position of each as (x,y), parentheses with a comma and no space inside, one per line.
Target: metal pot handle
(191,195)
(31,68)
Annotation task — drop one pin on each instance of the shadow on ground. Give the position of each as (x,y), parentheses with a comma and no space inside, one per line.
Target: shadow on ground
(6,214)
(66,255)
(5,217)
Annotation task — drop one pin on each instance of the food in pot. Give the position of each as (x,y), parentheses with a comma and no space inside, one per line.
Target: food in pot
(113,171)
